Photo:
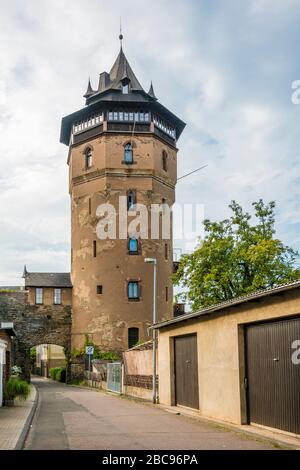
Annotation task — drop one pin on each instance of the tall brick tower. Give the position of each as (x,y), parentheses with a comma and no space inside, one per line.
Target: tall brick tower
(122,143)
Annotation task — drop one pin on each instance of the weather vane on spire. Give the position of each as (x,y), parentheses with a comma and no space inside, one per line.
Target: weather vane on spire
(121,35)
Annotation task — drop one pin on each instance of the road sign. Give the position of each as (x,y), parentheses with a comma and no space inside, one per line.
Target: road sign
(89,350)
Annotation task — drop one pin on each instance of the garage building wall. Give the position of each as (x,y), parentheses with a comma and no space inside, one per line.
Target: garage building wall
(221,354)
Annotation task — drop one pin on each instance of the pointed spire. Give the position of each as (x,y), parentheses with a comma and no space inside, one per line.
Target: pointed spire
(151,92)
(25,272)
(89,90)
(120,70)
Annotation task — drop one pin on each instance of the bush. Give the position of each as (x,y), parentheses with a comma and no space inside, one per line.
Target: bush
(61,374)
(53,371)
(15,387)
(108,356)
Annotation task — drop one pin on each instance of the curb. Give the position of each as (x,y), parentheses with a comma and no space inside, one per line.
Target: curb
(237,429)
(26,428)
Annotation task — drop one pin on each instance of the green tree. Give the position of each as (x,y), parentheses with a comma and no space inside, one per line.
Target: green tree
(236,258)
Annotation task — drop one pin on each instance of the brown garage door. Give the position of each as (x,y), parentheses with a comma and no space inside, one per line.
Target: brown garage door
(273,377)
(186,371)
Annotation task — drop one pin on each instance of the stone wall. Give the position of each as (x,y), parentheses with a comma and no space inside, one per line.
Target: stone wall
(35,325)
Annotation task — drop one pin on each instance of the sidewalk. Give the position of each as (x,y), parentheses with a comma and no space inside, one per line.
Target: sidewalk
(14,421)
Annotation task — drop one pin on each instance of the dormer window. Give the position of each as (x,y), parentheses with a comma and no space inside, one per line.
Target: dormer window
(88,158)
(128,153)
(125,88)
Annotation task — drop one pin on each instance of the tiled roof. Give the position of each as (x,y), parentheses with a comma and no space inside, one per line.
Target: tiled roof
(47,280)
(230,303)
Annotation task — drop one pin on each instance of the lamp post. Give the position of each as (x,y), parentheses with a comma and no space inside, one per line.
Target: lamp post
(153,261)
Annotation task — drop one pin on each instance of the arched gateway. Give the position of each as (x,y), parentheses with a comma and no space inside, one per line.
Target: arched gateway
(35,325)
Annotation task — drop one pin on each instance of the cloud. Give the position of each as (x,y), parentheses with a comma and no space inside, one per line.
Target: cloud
(226,68)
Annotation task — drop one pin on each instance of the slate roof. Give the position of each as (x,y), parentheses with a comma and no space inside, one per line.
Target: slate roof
(47,280)
(109,93)
(112,81)
(230,303)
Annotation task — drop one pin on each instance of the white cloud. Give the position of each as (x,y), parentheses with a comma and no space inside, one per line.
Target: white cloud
(225,69)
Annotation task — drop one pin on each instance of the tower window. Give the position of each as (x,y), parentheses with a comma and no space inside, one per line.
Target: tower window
(88,158)
(94,248)
(164,161)
(167,294)
(57,296)
(133,290)
(133,246)
(39,295)
(99,290)
(90,206)
(133,337)
(128,154)
(131,200)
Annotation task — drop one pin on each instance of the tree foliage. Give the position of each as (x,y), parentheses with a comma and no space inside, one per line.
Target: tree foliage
(236,258)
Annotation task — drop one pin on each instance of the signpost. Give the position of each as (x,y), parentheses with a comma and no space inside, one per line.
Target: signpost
(89,351)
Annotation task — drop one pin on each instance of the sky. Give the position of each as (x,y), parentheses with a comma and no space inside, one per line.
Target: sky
(225,67)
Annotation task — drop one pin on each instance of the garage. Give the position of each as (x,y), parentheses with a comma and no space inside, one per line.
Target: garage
(186,371)
(273,374)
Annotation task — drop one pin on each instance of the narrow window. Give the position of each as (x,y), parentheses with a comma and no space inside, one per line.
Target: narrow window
(133,337)
(39,295)
(164,161)
(133,290)
(99,290)
(167,294)
(94,248)
(110,116)
(166,251)
(163,203)
(88,158)
(90,206)
(57,296)
(128,153)
(115,116)
(133,246)
(131,200)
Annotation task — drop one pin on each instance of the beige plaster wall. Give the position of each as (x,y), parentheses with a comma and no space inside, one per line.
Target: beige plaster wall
(220,354)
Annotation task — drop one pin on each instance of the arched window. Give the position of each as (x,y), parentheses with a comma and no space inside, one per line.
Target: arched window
(133,246)
(133,290)
(128,154)
(88,158)
(133,337)
(164,160)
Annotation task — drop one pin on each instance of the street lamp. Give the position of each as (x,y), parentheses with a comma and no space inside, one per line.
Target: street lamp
(153,261)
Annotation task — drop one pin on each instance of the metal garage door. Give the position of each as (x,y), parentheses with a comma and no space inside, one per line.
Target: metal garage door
(186,371)
(273,374)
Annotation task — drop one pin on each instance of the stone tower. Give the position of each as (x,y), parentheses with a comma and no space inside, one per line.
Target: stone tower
(122,143)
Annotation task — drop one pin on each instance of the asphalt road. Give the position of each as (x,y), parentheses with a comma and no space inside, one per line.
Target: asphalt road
(73,418)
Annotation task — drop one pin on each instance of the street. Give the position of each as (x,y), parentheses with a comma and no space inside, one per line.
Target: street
(74,418)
